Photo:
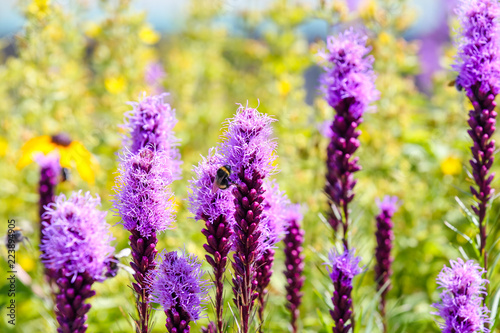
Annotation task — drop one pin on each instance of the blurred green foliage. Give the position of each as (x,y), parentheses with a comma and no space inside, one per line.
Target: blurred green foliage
(75,76)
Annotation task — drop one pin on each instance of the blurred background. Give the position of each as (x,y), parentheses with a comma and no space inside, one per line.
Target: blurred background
(72,66)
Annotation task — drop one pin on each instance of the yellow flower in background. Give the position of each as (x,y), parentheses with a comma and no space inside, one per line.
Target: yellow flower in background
(72,154)
(451,166)
(115,84)
(39,8)
(4,144)
(148,35)
(93,30)
(284,87)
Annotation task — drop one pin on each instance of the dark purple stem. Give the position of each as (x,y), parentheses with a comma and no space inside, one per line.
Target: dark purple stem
(294,266)
(341,165)
(342,306)
(177,320)
(248,204)
(143,255)
(263,276)
(49,178)
(482,121)
(384,236)
(71,308)
(218,234)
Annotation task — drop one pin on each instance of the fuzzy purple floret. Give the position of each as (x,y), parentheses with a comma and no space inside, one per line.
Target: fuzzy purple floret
(248,144)
(478,58)
(348,72)
(385,237)
(143,198)
(249,149)
(204,204)
(343,268)
(177,285)
(77,238)
(150,124)
(294,262)
(462,294)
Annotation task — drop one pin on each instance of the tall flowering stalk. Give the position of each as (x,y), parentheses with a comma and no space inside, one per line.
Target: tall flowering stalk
(294,262)
(275,207)
(217,211)
(384,236)
(478,66)
(76,247)
(177,285)
(150,162)
(348,86)
(462,294)
(343,268)
(144,202)
(50,171)
(249,150)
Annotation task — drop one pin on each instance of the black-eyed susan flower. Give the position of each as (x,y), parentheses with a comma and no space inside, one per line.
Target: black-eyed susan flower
(72,154)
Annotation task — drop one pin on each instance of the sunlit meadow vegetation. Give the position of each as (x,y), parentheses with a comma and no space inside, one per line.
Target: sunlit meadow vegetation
(72,75)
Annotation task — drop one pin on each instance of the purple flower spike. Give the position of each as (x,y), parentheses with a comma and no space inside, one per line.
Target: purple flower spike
(177,285)
(478,66)
(348,86)
(462,294)
(151,124)
(249,150)
(384,236)
(294,262)
(217,210)
(144,202)
(50,171)
(75,246)
(274,219)
(343,269)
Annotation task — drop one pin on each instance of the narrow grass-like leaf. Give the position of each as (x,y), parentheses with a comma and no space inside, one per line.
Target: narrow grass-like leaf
(467,238)
(469,214)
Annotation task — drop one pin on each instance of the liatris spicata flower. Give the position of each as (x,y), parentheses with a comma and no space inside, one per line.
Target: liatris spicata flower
(275,207)
(385,236)
(294,262)
(154,76)
(249,150)
(76,246)
(478,66)
(343,269)
(144,202)
(150,124)
(217,211)
(348,86)
(50,171)
(462,294)
(177,285)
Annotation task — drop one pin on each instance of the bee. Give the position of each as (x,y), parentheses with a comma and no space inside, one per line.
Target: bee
(113,264)
(15,237)
(457,85)
(65,174)
(222,178)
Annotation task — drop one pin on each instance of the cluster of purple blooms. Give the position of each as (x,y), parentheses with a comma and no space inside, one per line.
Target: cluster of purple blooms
(249,215)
